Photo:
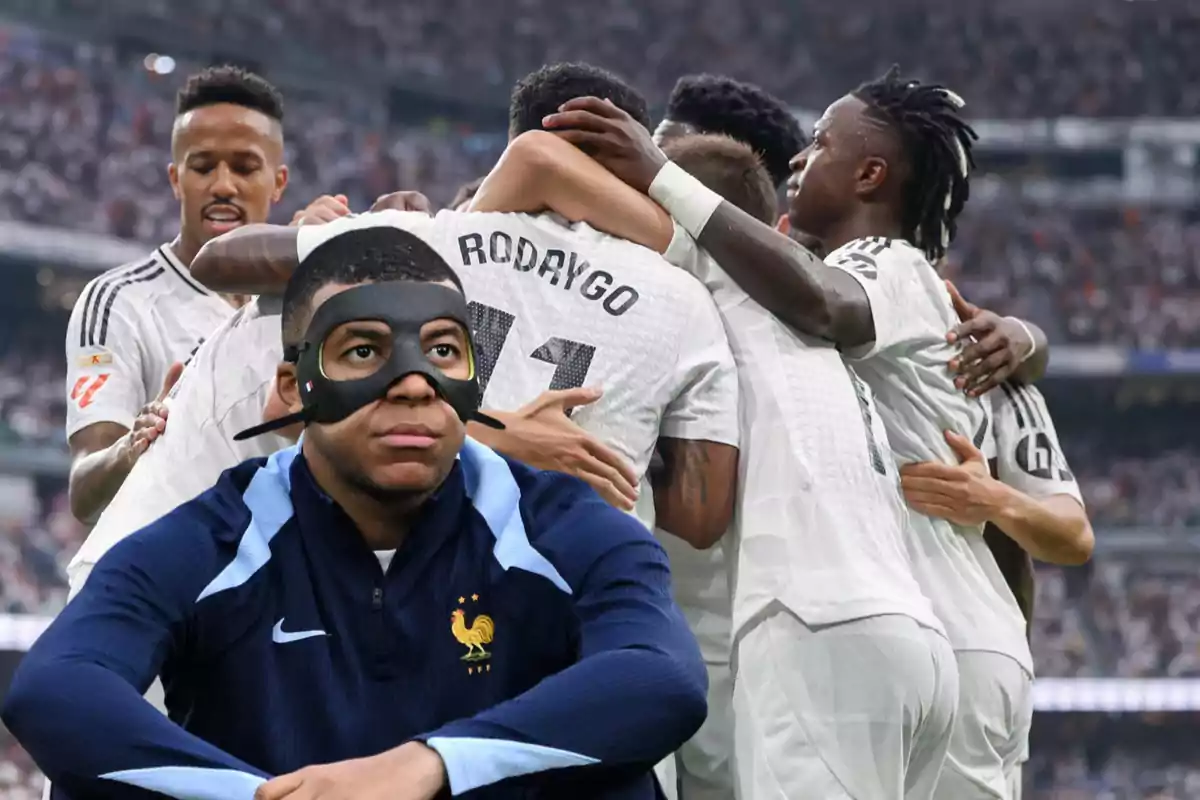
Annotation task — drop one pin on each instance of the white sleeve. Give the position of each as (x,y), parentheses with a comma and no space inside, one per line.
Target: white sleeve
(893,289)
(104,362)
(707,407)
(683,252)
(309,237)
(1028,455)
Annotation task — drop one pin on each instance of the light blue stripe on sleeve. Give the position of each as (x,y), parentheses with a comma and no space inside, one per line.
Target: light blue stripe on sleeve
(471,763)
(494,493)
(270,502)
(191,783)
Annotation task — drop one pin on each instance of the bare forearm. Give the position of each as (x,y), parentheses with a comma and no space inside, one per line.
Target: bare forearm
(255,259)
(788,280)
(540,171)
(1033,369)
(694,489)
(1055,530)
(96,478)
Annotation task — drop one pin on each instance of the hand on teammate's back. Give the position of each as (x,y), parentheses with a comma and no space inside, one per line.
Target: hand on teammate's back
(325,208)
(610,136)
(543,436)
(402,201)
(999,346)
(963,493)
(151,421)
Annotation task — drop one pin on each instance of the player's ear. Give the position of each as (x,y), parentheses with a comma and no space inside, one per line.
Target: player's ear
(173,177)
(281,182)
(872,172)
(286,395)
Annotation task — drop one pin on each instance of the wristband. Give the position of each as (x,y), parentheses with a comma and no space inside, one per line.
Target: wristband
(686,199)
(1029,333)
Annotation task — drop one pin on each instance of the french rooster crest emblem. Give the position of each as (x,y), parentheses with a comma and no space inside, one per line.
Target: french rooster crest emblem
(473,636)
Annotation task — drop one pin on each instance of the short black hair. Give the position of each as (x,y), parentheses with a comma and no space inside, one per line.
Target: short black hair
(230,84)
(540,93)
(380,254)
(937,142)
(748,113)
(728,167)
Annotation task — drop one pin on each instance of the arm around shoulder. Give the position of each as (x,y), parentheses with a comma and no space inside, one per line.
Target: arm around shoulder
(540,171)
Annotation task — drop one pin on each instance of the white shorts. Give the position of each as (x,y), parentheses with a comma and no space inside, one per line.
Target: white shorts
(860,710)
(991,735)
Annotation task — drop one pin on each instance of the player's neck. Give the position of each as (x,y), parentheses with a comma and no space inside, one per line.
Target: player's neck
(185,250)
(382,519)
(869,220)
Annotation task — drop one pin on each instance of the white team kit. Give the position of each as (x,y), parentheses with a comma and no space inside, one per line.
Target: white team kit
(221,391)
(1028,457)
(128,327)
(845,683)
(553,306)
(907,368)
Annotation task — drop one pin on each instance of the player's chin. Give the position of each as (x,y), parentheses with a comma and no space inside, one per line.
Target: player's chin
(404,469)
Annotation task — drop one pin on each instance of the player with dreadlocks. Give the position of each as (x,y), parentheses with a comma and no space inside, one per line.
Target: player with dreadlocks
(881,186)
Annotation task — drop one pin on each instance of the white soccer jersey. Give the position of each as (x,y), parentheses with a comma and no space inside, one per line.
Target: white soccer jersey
(556,305)
(907,367)
(222,391)
(1028,455)
(226,385)
(819,517)
(126,330)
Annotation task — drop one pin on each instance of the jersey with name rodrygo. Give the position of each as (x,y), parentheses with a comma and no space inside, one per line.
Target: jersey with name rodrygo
(222,391)
(907,367)
(556,305)
(226,385)
(127,328)
(819,516)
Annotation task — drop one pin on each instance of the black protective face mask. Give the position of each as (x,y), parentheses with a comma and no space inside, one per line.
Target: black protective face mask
(404,306)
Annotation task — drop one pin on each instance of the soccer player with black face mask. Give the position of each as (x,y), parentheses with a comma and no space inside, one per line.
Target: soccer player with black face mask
(386,609)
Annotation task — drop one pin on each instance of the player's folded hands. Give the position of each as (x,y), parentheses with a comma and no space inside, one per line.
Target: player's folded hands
(542,435)
(409,772)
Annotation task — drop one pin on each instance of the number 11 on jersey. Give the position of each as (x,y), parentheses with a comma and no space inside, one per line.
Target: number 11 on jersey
(491,327)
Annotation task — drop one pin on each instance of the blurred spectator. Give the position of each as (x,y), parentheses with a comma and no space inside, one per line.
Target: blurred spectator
(1102,58)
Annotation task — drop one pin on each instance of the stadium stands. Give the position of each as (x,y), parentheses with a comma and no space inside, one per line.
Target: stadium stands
(84,132)
(1108,58)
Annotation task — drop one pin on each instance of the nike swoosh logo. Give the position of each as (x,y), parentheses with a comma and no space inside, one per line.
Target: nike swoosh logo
(280,636)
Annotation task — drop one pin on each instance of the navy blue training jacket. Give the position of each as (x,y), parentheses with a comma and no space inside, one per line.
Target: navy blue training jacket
(525,630)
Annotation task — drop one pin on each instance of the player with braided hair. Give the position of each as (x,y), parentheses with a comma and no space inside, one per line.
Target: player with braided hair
(937,142)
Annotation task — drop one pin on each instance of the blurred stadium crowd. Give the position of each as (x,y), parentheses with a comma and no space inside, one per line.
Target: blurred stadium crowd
(84,135)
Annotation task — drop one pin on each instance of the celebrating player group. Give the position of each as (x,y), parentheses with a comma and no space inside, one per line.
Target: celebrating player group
(662,464)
